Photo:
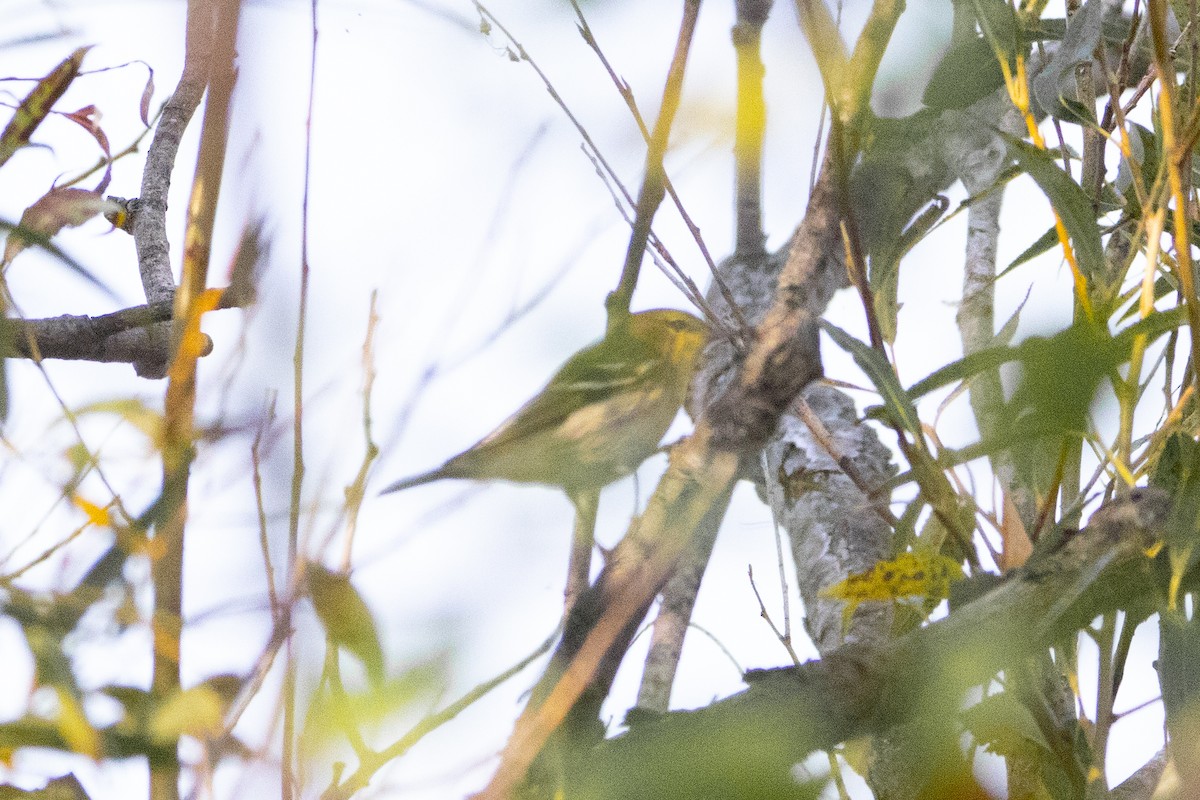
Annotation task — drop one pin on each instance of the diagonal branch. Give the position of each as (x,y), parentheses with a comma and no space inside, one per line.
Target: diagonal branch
(653,186)
(785,358)
(856,690)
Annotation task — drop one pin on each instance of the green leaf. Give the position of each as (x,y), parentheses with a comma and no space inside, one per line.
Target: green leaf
(64,787)
(1152,327)
(1060,376)
(1146,151)
(967,73)
(880,373)
(346,618)
(965,368)
(1044,244)
(1000,28)
(1178,471)
(1008,330)
(1054,86)
(1073,205)
(1179,653)
(1004,726)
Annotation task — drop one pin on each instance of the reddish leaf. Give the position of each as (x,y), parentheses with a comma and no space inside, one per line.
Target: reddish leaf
(147,93)
(37,104)
(55,210)
(88,118)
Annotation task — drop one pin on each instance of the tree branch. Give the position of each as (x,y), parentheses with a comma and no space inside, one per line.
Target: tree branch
(859,689)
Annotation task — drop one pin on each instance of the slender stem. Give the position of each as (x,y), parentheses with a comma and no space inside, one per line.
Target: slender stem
(750,129)
(627,95)
(1157,10)
(1105,695)
(653,189)
(579,568)
(287,766)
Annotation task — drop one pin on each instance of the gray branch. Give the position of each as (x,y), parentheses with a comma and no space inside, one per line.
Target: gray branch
(861,688)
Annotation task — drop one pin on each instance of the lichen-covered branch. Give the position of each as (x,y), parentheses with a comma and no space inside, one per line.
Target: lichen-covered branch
(860,689)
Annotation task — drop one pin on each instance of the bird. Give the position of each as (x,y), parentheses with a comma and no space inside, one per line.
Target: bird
(598,418)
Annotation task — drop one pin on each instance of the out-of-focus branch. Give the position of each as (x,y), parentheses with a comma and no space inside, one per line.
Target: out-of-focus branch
(750,129)
(979,155)
(675,615)
(185,347)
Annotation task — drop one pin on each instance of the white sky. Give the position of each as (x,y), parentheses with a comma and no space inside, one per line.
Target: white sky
(445,178)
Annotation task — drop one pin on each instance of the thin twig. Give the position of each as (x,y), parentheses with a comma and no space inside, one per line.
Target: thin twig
(784,638)
(651,194)
(608,174)
(626,93)
(824,438)
(260,504)
(287,765)
(357,489)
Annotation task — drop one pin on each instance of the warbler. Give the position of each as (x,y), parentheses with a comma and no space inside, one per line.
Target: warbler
(602,414)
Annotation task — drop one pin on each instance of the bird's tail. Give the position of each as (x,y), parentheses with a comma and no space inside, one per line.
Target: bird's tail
(415,480)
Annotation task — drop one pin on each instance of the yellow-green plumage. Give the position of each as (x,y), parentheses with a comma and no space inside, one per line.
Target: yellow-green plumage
(601,415)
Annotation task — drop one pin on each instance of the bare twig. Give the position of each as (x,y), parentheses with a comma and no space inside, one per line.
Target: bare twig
(653,188)
(287,767)
(784,636)
(627,95)
(356,490)
(607,174)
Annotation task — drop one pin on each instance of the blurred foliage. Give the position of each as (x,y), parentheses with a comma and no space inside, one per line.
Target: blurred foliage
(1120,244)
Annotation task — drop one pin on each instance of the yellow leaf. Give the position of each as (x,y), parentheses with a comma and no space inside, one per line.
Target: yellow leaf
(198,712)
(145,418)
(95,514)
(74,726)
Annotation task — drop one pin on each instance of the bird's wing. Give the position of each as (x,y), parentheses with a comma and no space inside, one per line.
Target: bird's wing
(590,376)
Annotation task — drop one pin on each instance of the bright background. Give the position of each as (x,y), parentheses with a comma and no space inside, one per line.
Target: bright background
(444,178)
